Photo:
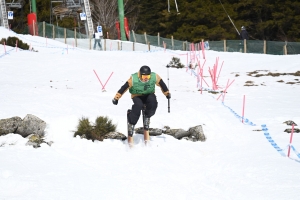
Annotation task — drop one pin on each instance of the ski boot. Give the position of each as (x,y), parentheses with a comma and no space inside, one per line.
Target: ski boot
(130,129)
(146,123)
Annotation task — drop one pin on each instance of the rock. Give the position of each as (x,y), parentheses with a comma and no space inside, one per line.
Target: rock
(180,133)
(34,140)
(31,125)
(290,123)
(9,125)
(152,131)
(289,130)
(167,130)
(197,134)
(193,134)
(115,135)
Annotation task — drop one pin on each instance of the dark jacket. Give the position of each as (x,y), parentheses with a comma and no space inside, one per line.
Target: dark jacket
(244,35)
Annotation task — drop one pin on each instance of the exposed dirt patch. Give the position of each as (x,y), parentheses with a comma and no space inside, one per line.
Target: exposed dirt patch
(289,130)
(213,92)
(298,82)
(290,123)
(257,74)
(250,83)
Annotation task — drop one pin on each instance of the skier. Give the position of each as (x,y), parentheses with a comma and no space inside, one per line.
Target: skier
(97,37)
(141,85)
(244,34)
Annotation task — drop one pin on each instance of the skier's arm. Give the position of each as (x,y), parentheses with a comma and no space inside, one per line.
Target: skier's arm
(162,85)
(123,89)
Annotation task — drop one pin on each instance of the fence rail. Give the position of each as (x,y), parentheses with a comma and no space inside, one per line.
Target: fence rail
(72,37)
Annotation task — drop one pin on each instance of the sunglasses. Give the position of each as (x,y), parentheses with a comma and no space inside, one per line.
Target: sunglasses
(145,76)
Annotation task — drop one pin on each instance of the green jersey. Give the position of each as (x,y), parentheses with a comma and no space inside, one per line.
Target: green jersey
(140,87)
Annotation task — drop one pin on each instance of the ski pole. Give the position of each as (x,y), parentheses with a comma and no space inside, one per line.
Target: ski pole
(168,76)
(168,105)
(169,90)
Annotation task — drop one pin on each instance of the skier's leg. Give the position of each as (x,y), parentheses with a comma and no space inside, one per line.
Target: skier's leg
(132,118)
(95,44)
(130,130)
(151,105)
(146,123)
(135,113)
(99,44)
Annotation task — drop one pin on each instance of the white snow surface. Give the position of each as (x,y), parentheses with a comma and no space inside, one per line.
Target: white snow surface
(237,161)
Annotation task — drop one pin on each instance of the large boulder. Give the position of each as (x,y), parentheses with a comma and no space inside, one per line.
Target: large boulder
(196,133)
(9,125)
(31,125)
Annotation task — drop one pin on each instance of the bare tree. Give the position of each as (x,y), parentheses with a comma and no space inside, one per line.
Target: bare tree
(106,14)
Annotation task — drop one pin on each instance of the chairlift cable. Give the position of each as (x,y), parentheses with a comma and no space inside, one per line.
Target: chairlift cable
(229,18)
(175,5)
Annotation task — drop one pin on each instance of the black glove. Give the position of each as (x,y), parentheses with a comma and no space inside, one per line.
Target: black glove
(168,96)
(115,101)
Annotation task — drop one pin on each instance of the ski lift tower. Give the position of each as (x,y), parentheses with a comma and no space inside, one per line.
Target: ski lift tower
(15,3)
(4,6)
(121,18)
(74,8)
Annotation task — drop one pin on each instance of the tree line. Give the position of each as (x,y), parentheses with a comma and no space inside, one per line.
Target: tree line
(272,20)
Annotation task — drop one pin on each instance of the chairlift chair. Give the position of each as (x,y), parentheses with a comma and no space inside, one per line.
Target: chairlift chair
(178,13)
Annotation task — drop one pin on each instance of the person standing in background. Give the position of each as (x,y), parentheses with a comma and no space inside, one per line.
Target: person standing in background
(97,38)
(244,34)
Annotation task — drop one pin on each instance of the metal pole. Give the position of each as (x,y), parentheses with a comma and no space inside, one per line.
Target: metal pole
(51,12)
(33,2)
(121,19)
(169,89)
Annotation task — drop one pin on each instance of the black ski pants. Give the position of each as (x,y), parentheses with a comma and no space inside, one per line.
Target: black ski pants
(138,104)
